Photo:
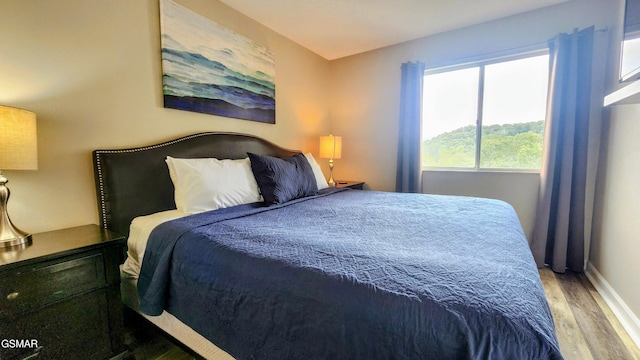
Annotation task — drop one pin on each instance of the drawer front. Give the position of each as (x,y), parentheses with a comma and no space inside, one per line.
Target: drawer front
(74,329)
(29,289)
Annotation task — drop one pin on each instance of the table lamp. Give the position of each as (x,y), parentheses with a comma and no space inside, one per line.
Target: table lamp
(18,151)
(330,148)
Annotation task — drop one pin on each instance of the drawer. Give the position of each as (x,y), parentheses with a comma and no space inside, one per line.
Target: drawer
(73,329)
(30,288)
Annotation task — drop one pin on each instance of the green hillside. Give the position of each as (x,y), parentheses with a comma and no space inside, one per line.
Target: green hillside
(503,146)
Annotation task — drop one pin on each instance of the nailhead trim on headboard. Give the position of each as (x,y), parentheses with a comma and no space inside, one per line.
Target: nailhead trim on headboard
(97,153)
(105,186)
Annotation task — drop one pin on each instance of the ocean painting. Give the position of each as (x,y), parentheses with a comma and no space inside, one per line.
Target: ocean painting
(210,69)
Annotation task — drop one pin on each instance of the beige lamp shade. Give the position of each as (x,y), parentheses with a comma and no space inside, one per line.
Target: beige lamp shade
(330,147)
(18,139)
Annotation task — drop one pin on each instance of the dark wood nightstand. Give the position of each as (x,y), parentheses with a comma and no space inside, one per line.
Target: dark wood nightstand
(358,185)
(62,294)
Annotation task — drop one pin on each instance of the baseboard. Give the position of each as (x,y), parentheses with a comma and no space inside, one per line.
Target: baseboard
(627,318)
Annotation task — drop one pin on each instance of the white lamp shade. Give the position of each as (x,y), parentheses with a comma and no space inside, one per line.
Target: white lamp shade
(330,147)
(18,139)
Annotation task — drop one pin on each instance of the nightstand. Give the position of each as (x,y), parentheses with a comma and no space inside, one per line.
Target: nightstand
(358,185)
(60,296)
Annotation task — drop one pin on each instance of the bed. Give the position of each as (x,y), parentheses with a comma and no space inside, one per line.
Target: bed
(335,273)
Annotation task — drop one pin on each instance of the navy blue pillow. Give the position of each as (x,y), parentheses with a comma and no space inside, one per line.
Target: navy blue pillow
(282,180)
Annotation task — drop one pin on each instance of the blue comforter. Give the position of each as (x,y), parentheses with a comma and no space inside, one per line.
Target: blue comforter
(354,275)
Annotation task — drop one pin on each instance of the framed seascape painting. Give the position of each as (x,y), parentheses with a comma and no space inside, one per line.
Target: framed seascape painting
(210,69)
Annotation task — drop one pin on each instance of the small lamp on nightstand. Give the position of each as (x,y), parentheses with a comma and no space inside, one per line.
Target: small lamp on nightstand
(330,148)
(18,151)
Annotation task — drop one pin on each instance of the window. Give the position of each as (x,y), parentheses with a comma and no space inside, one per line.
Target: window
(486,116)
(630,64)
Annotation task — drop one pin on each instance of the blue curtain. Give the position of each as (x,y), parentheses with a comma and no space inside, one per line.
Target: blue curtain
(408,176)
(559,232)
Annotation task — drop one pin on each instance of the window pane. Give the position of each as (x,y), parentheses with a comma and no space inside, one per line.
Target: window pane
(514,107)
(450,102)
(630,57)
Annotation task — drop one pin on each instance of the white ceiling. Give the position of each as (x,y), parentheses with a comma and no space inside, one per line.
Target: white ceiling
(338,28)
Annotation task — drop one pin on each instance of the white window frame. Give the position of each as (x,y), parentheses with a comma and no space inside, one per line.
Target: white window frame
(481,64)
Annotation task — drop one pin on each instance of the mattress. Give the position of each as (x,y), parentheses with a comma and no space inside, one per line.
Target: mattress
(139,232)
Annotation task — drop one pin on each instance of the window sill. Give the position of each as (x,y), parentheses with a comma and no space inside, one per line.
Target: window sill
(482,171)
(630,94)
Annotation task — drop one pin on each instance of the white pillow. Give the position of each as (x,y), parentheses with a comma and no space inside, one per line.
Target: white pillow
(209,184)
(322,182)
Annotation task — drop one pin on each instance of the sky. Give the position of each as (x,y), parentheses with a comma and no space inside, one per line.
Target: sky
(514,92)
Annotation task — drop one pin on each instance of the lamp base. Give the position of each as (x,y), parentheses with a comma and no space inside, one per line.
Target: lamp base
(331,182)
(9,234)
(19,240)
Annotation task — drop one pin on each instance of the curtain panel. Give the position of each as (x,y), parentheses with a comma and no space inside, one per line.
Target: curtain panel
(409,170)
(559,231)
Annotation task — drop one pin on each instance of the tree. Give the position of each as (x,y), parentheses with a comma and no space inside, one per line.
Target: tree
(506,146)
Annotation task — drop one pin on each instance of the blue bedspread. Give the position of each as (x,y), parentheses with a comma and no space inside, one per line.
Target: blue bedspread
(354,275)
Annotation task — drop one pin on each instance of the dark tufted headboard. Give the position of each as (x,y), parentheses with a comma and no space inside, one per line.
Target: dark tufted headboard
(135,182)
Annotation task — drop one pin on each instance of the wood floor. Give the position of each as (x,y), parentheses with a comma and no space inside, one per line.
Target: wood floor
(585,326)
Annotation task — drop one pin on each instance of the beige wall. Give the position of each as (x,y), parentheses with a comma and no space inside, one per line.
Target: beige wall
(615,237)
(518,189)
(364,102)
(615,247)
(91,71)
